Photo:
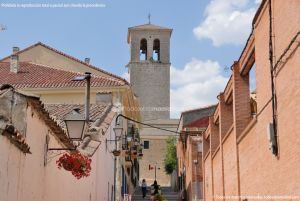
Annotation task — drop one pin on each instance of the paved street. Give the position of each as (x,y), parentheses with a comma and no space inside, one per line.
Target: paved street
(167,193)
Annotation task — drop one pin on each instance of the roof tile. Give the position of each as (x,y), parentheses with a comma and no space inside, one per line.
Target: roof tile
(70,57)
(39,76)
(58,112)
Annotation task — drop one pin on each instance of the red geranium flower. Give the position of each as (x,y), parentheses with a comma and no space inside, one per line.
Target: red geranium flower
(78,164)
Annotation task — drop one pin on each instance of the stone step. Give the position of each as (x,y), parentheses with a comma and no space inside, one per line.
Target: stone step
(167,193)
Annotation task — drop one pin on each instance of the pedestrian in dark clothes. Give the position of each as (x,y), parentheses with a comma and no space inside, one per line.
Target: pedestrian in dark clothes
(144,188)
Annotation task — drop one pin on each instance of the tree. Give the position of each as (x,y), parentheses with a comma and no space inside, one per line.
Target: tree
(171,159)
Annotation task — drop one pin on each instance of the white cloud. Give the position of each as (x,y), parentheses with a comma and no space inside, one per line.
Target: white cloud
(257,1)
(226,22)
(196,85)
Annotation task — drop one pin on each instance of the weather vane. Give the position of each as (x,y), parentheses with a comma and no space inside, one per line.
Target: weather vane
(149,18)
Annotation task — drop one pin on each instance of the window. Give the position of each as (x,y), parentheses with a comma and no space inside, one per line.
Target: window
(143,50)
(156,50)
(252,84)
(146,144)
(252,78)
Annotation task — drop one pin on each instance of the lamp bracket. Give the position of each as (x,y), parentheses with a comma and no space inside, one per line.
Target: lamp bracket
(50,153)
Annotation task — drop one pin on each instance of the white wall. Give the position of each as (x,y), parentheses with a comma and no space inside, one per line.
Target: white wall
(24,177)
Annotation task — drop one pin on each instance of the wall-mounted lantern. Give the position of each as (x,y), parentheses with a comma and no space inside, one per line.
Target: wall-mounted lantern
(75,124)
(118,130)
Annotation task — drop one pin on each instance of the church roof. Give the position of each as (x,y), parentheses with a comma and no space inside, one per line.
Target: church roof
(147,27)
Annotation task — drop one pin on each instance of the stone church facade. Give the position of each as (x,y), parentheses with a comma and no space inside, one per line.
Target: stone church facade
(149,70)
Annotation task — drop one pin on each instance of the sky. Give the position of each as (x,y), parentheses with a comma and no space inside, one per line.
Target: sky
(208,36)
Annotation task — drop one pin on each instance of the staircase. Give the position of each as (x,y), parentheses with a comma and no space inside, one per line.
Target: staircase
(167,193)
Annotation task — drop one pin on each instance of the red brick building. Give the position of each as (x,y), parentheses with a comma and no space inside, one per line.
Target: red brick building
(189,151)
(251,147)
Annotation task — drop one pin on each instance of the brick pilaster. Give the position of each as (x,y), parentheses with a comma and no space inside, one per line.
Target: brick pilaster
(214,135)
(241,100)
(241,110)
(226,120)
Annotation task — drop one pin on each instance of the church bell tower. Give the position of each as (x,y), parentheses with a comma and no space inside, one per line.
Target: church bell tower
(149,69)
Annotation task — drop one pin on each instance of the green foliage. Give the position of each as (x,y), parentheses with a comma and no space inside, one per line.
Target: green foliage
(171,159)
(159,197)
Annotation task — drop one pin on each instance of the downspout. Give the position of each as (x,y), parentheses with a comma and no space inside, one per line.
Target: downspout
(274,99)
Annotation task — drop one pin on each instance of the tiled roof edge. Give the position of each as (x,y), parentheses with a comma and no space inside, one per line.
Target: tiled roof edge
(70,57)
(197,109)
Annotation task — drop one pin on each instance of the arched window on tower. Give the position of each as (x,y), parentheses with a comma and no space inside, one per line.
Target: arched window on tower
(143,50)
(156,50)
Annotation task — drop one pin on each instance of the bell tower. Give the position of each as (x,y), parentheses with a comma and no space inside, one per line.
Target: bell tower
(149,69)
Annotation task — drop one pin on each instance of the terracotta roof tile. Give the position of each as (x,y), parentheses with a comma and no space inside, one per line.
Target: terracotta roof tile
(199,109)
(199,123)
(197,117)
(70,57)
(150,26)
(58,112)
(35,103)
(39,76)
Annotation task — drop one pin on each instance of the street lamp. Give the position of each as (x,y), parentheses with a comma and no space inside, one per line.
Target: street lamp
(75,125)
(118,131)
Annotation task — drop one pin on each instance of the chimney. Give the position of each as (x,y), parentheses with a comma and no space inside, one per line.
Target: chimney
(103,97)
(14,63)
(16,50)
(87,60)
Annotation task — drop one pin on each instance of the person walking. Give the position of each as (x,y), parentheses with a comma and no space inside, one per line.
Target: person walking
(156,187)
(144,188)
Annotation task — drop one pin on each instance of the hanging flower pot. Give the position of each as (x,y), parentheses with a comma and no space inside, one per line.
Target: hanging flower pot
(116,152)
(140,155)
(78,164)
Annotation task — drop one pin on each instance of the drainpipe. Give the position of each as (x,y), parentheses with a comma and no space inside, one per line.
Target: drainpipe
(274,99)
(115,174)
(87,96)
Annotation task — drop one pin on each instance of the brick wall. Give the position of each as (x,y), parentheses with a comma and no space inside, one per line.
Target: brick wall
(249,167)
